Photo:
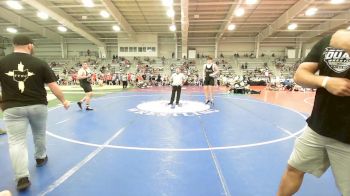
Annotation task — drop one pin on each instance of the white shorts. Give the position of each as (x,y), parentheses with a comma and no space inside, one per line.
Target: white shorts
(314,153)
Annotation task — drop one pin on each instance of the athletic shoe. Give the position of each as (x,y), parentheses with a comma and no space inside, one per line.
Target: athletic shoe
(41,162)
(170,104)
(23,184)
(89,109)
(79,104)
(207,102)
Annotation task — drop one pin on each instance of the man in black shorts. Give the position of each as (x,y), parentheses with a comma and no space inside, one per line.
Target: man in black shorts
(326,141)
(210,71)
(84,77)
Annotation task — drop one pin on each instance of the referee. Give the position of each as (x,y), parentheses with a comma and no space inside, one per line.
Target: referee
(177,79)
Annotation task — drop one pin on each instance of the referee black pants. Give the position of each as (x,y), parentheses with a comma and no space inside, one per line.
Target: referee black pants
(177,90)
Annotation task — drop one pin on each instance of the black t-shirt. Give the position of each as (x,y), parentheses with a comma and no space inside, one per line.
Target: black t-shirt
(23,79)
(331,114)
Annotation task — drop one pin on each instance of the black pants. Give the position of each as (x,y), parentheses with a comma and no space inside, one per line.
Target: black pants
(176,89)
(125,84)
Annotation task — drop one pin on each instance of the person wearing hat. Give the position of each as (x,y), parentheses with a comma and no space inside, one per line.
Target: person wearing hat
(24,102)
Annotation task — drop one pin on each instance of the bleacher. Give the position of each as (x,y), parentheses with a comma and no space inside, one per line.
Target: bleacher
(164,67)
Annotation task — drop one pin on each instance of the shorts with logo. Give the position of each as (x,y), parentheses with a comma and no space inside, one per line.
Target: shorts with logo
(314,153)
(86,86)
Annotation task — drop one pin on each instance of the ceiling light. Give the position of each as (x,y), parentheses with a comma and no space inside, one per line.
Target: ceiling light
(11,30)
(116,28)
(42,15)
(168,2)
(172,27)
(104,14)
(348,28)
(231,27)
(337,1)
(88,3)
(251,2)
(292,26)
(311,11)
(239,12)
(62,28)
(14,5)
(170,13)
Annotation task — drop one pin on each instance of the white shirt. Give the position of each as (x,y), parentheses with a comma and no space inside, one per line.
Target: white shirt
(178,79)
(84,72)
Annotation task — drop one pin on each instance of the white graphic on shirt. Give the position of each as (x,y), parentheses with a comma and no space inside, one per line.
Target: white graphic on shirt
(337,59)
(20,76)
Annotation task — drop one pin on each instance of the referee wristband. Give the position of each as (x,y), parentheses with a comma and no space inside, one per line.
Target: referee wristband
(325,81)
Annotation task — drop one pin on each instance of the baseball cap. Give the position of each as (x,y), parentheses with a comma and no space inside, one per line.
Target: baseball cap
(22,40)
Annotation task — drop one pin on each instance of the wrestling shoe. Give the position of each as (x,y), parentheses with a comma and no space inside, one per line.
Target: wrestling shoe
(79,104)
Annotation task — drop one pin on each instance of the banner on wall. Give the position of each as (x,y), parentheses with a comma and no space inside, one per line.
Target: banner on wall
(192,54)
(102,52)
(291,53)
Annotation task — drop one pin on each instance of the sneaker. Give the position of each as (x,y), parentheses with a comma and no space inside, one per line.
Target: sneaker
(79,104)
(170,103)
(23,184)
(89,109)
(41,162)
(207,102)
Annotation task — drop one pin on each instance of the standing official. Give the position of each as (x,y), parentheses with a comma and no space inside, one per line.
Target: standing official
(177,80)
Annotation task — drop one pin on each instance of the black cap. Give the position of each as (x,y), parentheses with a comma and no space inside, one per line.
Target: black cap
(22,40)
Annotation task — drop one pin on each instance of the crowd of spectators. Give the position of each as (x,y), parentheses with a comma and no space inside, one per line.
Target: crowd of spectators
(154,72)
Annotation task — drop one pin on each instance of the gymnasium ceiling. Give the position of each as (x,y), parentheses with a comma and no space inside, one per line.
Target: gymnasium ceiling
(198,22)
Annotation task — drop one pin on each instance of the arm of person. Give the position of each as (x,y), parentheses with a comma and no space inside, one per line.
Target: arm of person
(341,39)
(203,71)
(55,89)
(80,75)
(305,76)
(216,70)
(184,79)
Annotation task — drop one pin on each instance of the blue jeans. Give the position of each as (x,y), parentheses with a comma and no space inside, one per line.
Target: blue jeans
(16,121)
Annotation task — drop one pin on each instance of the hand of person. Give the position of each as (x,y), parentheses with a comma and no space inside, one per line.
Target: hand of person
(66,104)
(212,75)
(338,86)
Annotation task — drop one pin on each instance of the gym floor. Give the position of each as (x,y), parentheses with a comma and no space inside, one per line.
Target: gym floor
(135,144)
